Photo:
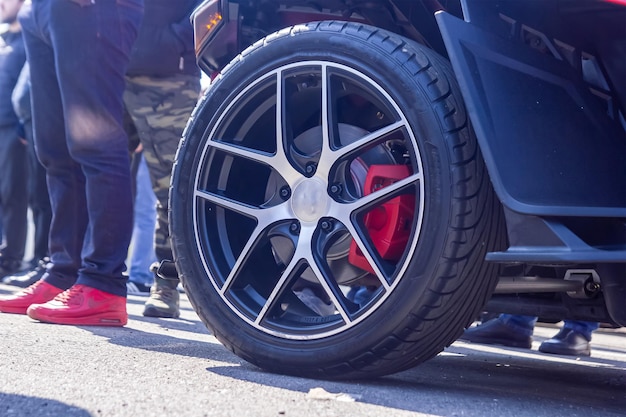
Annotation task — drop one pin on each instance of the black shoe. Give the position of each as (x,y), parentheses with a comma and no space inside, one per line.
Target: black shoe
(567,342)
(27,278)
(9,266)
(495,332)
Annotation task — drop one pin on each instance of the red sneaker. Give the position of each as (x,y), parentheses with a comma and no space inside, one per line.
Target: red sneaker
(83,306)
(39,292)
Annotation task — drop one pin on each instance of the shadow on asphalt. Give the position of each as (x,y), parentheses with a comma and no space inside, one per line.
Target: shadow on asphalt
(157,342)
(23,406)
(588,387)
(466,376)
(137,339)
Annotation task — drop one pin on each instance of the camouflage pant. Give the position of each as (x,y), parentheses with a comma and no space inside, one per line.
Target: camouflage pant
(160,108)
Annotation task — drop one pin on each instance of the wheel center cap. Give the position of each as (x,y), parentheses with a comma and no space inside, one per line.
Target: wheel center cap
(310,200)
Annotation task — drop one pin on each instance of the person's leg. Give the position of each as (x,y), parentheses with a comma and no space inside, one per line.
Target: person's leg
(92,90)
(64,176)
(522,324)
(39,202)
(39,199)
(586,328)
(14,198)
(91,174)
(160,117)
(160,109)
(50,143)
(142,253)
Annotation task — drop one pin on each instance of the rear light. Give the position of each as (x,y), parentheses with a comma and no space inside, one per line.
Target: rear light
(207,19)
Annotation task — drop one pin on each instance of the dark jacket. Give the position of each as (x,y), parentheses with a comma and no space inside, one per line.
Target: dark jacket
(12,58)
(164,46)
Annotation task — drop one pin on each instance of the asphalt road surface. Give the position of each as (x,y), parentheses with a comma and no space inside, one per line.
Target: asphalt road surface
(174,367)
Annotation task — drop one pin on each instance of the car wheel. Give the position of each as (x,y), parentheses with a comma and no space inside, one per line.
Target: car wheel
(330,209)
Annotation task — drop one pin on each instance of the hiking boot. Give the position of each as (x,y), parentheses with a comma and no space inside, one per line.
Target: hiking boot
(39,292)
(82,306)
(164,299)
(567,342)
(27,278)
(9,266)
(496,332)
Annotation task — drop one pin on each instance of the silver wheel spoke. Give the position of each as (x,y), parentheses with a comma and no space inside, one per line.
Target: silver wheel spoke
(264,217)
(324,281)
(330,157)
(239,263)
(271,299)
(368,255)
(304,253)
(344,211)
(238,150)
(383,192)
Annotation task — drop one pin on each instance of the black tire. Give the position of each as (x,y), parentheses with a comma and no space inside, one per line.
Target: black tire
(281,212)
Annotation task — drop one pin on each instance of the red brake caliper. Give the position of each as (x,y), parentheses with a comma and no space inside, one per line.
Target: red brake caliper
(389,224)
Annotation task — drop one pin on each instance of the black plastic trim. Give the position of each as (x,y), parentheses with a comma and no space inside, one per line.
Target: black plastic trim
(550,147)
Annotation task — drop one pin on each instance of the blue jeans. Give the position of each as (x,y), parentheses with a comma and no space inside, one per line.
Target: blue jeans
(142,255)
(38,198)
(526,324)
(13,193)
(78,52)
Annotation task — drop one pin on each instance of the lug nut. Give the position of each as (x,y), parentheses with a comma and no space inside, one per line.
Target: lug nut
(310,168)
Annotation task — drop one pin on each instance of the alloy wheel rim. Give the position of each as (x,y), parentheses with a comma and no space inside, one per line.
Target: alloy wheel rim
(268,215)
